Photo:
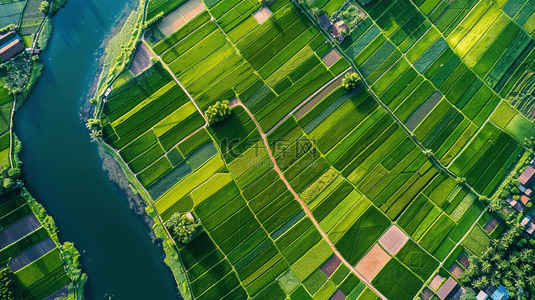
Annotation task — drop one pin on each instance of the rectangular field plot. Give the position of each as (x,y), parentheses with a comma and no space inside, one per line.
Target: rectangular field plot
(286,53)
(234,253)
(396,281)
(362,235)
(301,157)
(491,151)
(145,118)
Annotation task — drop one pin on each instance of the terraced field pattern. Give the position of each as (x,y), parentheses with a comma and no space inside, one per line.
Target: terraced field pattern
(304,178)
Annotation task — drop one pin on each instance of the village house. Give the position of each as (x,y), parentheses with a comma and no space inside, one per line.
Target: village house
(528,177)
(515,204)
(482,296)
(325,21)
(449,290)
(528,224)
(338,29)
(501,293)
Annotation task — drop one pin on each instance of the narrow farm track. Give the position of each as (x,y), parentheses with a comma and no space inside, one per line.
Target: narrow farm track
(176,80)
(303,205)
(479,77)
(11,130)
(407,131)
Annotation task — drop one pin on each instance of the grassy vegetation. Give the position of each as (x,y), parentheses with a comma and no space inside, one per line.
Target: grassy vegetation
(354,165)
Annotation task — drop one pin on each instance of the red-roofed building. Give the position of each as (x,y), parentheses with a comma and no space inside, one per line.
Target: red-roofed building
(448,289)
(524,199)
(528,177)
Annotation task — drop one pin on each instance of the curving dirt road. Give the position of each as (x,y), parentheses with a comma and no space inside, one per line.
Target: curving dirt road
(305,208)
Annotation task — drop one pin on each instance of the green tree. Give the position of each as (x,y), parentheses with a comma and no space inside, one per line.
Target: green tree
(350,81)
(183,227)
(469,295)
(495,204)
(14,173)
(95,134)
(45,7)
(8,182)
(217,112)
(8,288)
(154,60)
(93,124)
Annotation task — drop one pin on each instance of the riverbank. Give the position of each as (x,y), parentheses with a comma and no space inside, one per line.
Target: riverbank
(64,170)
(127,40)
(69,283)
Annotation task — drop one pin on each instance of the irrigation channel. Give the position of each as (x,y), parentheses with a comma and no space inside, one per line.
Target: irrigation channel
(65,171)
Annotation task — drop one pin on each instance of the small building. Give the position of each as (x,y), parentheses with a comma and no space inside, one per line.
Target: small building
(108,91)
(501,293)
(528,192)
(528,177)
(325,21)
(11,49)
(337,29)
(515,204)
(522,188)
(482,296)
(364,2)
(530,228)
(524,199)
(528,224)
(490,289)
(448,289)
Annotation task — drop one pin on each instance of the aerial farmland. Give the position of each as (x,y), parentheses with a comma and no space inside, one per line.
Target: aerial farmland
(330,149)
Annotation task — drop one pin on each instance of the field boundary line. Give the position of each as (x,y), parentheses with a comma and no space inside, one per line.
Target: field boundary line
(388,110)
(307,100)
(152,203)
(178,82)
(305,208)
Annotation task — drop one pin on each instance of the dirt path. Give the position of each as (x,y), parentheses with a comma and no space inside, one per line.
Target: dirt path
(11,130)
(303,205)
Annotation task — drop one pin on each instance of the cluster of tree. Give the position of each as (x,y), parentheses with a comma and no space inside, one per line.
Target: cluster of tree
(95,126)
(18,73)
(316,12)
(183,227)
(350,81)
(45,7)
(8,287)
(217,112)
(509,261)
(8,177)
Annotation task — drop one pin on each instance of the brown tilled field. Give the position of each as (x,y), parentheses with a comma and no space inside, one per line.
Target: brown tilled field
(372,262)
(393,239)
